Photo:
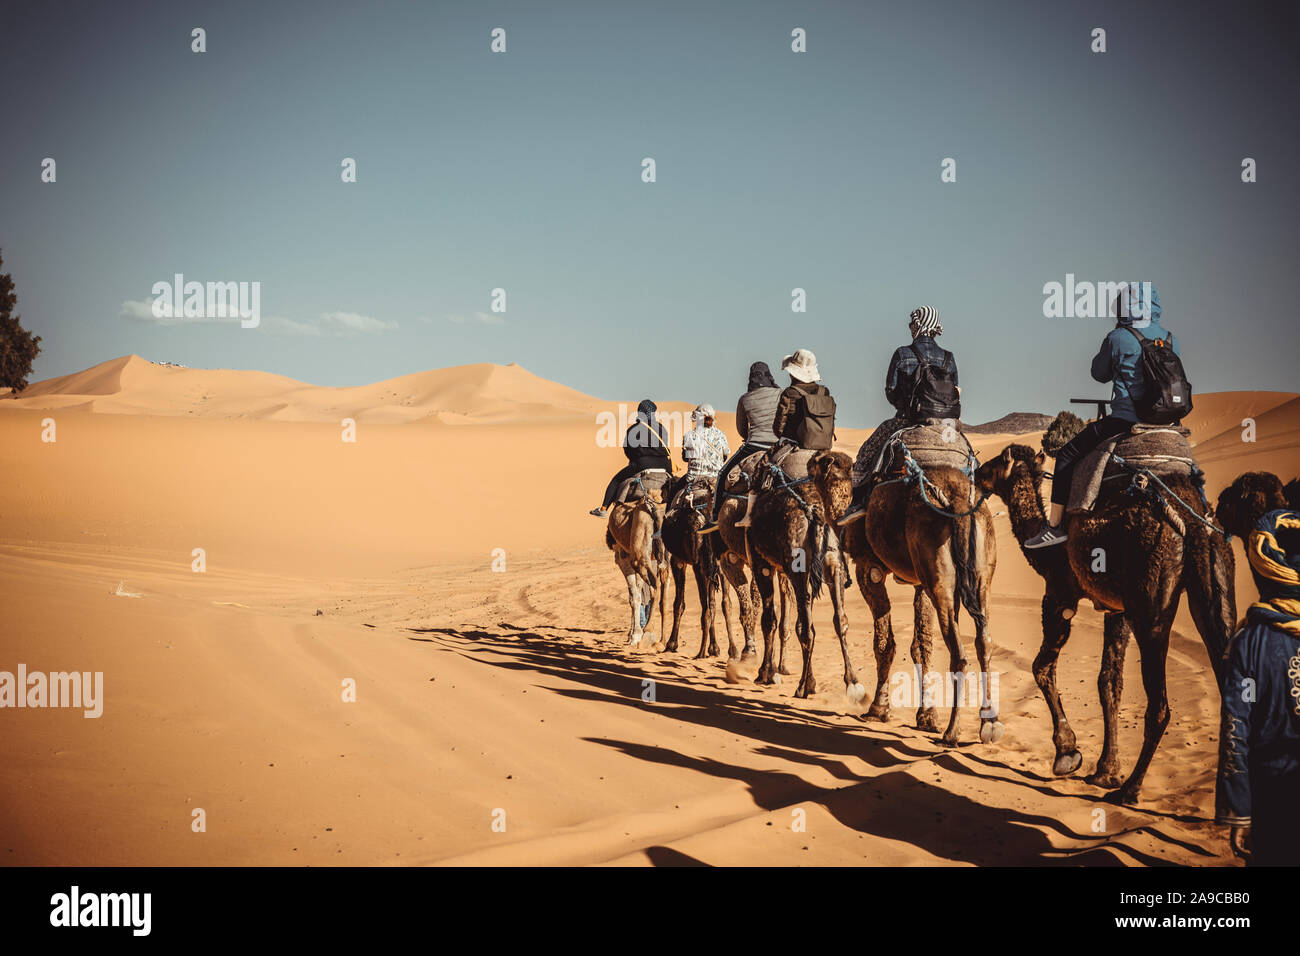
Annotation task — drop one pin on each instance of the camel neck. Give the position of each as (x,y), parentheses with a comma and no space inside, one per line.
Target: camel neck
(1025,508)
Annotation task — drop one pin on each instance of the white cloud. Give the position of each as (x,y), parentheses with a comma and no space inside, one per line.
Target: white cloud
(329,323)
(485,318)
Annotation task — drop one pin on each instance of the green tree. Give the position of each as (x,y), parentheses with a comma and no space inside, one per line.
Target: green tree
(18,347)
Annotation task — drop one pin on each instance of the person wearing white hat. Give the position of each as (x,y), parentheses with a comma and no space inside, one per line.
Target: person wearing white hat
(704,447)
(805,413)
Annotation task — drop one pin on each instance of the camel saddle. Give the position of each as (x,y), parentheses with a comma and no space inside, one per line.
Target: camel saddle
(697,494)
(740,477)
(636,487)
(1163,449)
(929,447)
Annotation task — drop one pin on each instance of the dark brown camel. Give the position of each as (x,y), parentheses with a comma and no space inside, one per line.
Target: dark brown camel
(735,566)
(1250,497)
(681,536)
(1128,556)
(791,534)
(949,560)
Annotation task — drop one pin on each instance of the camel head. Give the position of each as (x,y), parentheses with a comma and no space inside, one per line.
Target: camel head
(832,473)
(998,476)
(1249,498)
(1064,427)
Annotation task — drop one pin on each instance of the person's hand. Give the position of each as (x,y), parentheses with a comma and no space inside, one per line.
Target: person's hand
(1239,840)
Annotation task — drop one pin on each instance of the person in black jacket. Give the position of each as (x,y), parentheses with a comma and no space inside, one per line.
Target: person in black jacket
(646,447)
(900,380)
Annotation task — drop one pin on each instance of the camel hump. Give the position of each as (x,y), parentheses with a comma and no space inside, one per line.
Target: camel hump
(932,444)
(740,478)
(645,483)
(1164,449)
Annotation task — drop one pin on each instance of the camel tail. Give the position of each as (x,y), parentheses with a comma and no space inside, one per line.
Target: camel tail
(817,571)
(962,542)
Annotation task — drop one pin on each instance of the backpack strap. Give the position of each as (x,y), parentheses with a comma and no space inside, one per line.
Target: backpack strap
(1140,337)
(920,359)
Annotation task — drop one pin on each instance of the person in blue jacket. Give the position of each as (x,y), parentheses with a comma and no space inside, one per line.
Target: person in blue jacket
(1258,788)
(1137,316)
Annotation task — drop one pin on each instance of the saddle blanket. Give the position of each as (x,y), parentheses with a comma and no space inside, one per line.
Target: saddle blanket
(1162,448)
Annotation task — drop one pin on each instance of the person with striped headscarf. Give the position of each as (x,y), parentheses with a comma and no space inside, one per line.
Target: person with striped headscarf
(1258,789)
(900,384)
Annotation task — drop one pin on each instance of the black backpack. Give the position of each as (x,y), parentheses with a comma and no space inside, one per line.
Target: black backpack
(1166,395)
(934,393)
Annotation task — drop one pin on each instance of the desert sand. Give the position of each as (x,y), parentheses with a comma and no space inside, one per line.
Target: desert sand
(491,696)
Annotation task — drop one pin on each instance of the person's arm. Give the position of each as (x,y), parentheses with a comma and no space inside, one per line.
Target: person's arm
(1232,790)
(1173,344)
(742,420)
(891,377)
(952,367)
(1103,364)
(785,410)
(630,443)
(689,451)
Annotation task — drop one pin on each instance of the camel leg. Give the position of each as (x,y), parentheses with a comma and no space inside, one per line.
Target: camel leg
(1056,631)
(635,632)
(926,622)
(804,631)
(734,571)
(945,607)
(679,602)
(763,580)
(873,592)
(991,729)
(1110,686)
(787,601)
(835,578)
(708,643)
(723,584)
(1154,648)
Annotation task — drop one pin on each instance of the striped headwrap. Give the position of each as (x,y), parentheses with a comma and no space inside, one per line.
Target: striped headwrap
(1274,553)
(925,321)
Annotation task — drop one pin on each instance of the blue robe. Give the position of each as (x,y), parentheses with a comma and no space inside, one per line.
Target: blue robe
(1259,744)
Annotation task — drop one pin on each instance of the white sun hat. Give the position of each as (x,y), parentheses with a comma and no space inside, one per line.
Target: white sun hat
(802,366)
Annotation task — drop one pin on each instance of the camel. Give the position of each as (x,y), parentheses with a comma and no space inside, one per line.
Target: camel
(686,546)
(1128,556)
(791,533)
(949,560)
(735,562)
(633,535)
(1251,496)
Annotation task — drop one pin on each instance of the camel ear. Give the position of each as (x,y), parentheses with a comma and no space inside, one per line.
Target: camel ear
(1007,466)
(1040,458)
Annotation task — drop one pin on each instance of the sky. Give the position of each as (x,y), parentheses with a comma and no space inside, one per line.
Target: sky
(775,170)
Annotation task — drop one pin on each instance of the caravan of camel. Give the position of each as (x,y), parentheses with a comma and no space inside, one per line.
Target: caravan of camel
(928,524)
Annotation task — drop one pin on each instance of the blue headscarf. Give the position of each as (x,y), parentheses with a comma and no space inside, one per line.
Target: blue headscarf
(1137,305)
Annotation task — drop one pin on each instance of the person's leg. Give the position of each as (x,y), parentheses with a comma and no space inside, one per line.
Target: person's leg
(1078,447)
(611,489)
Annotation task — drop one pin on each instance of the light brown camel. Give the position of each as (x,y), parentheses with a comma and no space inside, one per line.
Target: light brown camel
(687,514)
(736,568)
(632,534)
(950,561)
(1134,563)
(791,533)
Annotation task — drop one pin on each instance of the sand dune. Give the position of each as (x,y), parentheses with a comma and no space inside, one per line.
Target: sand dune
(481,691)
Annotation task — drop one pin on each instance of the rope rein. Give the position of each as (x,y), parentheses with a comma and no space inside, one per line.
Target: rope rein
(1198,479)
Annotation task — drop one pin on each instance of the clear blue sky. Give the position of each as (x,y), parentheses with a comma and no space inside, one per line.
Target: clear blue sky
(775,170)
